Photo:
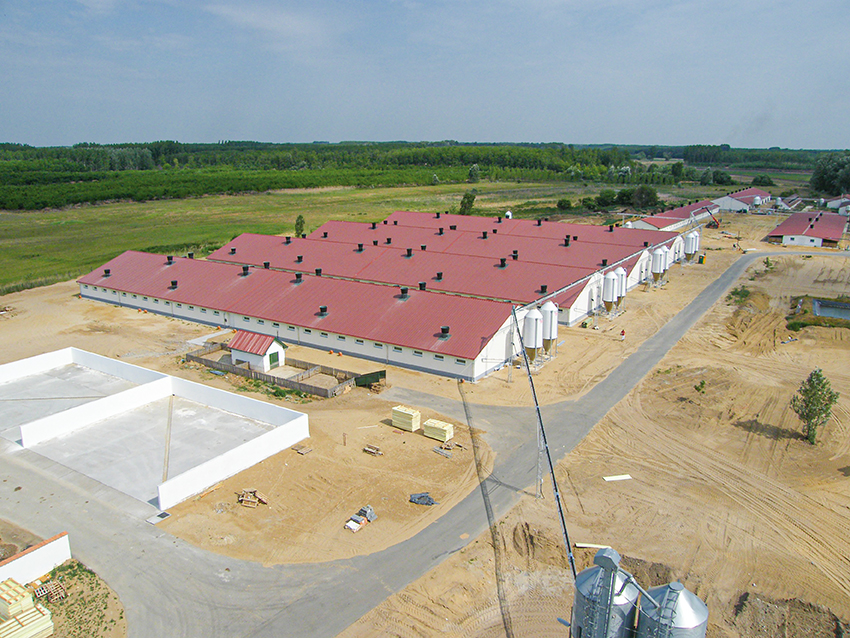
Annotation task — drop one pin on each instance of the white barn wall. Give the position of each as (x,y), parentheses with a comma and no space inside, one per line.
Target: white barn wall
(80,416)
(200,477)
(37,561)
(802,240)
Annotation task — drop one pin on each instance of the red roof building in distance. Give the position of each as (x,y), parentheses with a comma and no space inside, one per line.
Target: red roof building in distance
(681,217)
(251,342)
(743,200)
(813,229)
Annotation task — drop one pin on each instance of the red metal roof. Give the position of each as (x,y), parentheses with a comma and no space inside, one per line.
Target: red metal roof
(829,226)
(361,310)
(251,342)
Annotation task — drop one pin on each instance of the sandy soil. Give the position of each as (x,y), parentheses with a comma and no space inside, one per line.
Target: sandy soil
(726,495)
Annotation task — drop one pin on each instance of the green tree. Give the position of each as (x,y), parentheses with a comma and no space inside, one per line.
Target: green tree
(606,197)
(813,403)
(299,225)
(564,204)
(466,203)
(474,173)
(645,196)
(707,177)
(763,180)
(625,197)
(677,170)
(722,177)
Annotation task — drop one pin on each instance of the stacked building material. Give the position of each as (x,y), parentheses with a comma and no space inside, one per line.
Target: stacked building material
(439,430)
(406,418)
(20,617)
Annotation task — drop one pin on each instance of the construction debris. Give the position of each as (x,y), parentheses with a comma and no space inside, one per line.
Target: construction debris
(302,449)
(252,498)
(422,498)
(54,590)
(405,418)
(439,430)
(439,450)
(364,516)
(374,450)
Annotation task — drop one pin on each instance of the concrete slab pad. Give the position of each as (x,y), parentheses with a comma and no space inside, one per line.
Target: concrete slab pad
(128,451)
(50,392)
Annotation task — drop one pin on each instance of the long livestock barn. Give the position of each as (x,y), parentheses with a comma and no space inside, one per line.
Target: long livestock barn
(434,292)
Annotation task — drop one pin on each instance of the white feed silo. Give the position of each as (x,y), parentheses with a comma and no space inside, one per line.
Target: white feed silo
(622,283)
(550,325)
(668,257)
(609,290)
(604,605)
(697,239)
(756,201)
(679,613)
(690,245)
(532,333)
(657,266)
(628,225)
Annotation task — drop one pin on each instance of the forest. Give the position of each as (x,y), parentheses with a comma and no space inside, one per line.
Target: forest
(33,178)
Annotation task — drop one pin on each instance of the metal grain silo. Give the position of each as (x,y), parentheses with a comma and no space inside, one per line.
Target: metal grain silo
(622,283)
(678,614)
(657,266)
(550,325)
(696,239)
(532,332)
(605,599)
(668,257)
(609,290)
(690,245)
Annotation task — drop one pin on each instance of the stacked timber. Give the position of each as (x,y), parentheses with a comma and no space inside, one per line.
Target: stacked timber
(405,418)
(14,599)
(439,430)
(20,617)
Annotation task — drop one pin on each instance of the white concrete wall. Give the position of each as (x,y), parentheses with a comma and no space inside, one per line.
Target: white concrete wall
(36,561)
(200,477)
(500,349)
(120,369)
(35,365)
(78,417)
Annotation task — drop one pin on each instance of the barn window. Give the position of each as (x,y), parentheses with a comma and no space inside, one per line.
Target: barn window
(216,313)
(156,300)
(307,331)
(261,322)
(417,353)
(203,310)
(324,334)
(179,305)
(340,338)
(246,318)
(460,361)
(290,328)
(396,349)
(379,345)
(438,357)
(359,342)
(275,325)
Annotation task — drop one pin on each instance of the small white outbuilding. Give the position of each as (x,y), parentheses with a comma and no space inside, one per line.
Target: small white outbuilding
(261,352)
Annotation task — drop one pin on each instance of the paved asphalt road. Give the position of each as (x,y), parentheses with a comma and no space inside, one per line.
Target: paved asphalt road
(170,588)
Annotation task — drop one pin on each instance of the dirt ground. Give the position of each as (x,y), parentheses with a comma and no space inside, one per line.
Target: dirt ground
(90,610)
(726,494)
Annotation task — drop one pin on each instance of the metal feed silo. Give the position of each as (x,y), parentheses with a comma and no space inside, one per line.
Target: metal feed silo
(690,245)
(668,257)
(605,599)
(678,614)
(550,325)
(532,333)
(657,266)
(609,290)
(622,283)
(697,239)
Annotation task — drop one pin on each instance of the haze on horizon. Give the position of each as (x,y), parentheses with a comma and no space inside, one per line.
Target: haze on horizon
(668,72)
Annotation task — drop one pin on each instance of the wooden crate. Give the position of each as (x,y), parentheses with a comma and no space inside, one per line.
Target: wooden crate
(406,418)
(439,430)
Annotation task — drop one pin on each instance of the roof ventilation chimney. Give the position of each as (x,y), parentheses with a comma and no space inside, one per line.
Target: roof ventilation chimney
(298,279)
(323,311)
(483,234)
(169,260)
(299,259)
(288,240)
(389,240)
(544,289)
(515,255)
(539,222)
(567,240)
(318,272)
(440,230)
(303,235)
(385,222)
(245,271)
(395,222)
(324,234)
(174,284)
(438,215)
(374,225)
(453,227)
(444,332)
(610,228)
(404,294)
(409,253)
(190,255)
(266,265)
(545,219)
(423,247)
(421,285)
(440,276)
(646,244)
(359,248)
(233,251)
(107,272)
(499,219)
(495,231)
(503,262)
(374,242)
(575,237)
(604,262)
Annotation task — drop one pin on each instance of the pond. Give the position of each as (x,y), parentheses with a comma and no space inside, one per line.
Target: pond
(827,308)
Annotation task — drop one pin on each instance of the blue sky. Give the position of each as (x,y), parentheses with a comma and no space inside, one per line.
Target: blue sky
(745,72)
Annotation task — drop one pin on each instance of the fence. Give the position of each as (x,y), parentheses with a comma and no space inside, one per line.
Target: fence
(296,382)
